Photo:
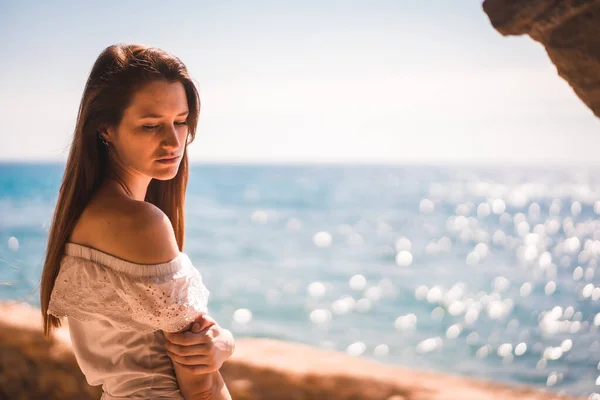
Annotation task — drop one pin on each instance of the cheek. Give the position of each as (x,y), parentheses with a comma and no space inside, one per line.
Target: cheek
(139,148)
(183,138)
(183,133)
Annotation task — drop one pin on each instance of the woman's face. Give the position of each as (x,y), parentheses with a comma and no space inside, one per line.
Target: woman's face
(153,127)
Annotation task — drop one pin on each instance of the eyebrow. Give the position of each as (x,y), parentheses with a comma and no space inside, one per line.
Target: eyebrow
(151,115)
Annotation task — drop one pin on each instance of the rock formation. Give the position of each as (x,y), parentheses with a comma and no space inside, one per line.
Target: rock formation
(568,29)
(32,367)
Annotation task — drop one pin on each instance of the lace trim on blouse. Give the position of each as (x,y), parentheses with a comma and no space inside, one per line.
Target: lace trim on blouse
(94,285)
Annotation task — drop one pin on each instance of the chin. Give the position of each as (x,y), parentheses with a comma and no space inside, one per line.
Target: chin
(166,174)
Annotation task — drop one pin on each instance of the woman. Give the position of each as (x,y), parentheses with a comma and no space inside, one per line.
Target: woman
(114,264)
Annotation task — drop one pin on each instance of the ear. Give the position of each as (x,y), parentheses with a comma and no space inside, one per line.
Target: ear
(105,132)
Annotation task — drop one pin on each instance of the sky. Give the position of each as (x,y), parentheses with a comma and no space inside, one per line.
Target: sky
(386,82)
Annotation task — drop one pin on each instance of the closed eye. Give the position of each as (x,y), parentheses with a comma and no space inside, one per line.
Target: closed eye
(154,127)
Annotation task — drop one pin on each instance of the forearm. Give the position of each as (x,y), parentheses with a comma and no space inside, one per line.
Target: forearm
(219,389)
(189,383)
(200,387)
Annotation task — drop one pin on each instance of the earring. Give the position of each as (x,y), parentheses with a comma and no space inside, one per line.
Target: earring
(106,144)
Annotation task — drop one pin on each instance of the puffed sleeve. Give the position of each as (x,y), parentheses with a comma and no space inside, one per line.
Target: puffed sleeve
(144,298)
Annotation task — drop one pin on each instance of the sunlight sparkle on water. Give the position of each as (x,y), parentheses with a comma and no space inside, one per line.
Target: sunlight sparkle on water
(322,239)
(404,258)
(316,289)
(242,316)
(406,322)
(357,282)
(13,243)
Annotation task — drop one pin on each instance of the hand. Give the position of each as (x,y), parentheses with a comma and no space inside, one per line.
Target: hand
(203,348)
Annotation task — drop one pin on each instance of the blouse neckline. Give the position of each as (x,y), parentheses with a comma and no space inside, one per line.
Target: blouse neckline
(121,265)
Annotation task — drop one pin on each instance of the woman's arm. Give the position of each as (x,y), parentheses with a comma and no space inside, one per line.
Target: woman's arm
(192,386)
(153,241)
(198,376)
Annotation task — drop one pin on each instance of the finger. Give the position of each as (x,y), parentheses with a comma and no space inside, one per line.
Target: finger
(190,360)
(199,369)
(188,338)
(169,335)
(195,350)
(203,321)
(197,328)
(205,318)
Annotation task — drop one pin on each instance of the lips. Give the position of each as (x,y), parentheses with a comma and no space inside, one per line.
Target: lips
(169,161)
(168,158)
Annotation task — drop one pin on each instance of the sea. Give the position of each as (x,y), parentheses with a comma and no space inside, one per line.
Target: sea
(487,272)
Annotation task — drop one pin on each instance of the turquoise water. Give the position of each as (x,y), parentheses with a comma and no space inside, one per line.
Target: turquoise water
(477,271)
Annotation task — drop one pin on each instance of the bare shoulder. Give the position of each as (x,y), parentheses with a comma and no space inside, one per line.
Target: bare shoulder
(152,236)
(134,231)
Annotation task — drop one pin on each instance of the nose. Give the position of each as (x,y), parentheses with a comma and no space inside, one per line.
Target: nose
(170,138)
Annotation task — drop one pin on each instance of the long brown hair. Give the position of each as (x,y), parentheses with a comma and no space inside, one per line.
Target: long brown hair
(118,71)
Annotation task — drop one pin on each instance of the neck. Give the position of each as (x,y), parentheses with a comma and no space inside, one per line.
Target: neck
(134,186)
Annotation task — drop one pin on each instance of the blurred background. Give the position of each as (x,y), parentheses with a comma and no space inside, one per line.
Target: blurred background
(391,179)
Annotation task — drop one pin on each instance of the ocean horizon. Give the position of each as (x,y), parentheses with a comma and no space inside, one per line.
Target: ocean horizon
(489,272)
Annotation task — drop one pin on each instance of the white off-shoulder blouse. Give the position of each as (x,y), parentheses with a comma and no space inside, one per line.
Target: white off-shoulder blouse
(116,312)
